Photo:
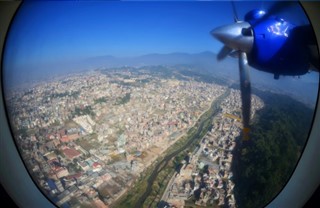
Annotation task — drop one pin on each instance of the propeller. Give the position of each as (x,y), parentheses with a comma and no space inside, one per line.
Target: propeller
(224,52)
(235,14)
(235,38)
(238,39)
(245,87)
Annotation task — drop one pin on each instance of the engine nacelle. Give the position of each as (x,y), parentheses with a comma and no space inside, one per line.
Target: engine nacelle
(279,47)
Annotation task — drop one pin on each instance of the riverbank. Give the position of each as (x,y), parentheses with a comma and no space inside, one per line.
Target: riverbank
(150,186)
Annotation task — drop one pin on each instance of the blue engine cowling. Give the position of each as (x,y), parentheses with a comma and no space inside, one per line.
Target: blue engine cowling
(279,47)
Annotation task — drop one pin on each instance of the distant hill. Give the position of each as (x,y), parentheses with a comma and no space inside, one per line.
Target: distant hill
(40,71)
(204,59)
(303,89)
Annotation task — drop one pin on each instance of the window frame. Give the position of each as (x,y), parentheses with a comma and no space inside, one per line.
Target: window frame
(16,180)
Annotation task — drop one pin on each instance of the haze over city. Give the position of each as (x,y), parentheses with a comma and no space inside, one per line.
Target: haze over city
(63,37)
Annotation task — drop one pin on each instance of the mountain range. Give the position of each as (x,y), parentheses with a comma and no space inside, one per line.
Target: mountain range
(304,88)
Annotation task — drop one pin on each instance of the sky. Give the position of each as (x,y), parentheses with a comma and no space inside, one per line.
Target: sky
(47,34)
(50,31)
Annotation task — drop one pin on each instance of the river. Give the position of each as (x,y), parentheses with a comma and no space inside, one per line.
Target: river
(215,107)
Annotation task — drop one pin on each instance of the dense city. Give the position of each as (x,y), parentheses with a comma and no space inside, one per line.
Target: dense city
(87,137)
(206,174)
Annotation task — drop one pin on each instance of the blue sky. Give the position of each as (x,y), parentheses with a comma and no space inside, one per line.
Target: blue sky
(45,32)
(52,31)
(47,35)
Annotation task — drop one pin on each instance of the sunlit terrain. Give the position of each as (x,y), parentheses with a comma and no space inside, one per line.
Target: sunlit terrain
(126,105)
(147,137)
(93,134)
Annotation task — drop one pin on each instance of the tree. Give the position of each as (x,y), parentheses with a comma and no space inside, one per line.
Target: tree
(266,162)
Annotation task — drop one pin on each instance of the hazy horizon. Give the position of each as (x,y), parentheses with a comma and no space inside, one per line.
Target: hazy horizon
(89,35)
(58,33)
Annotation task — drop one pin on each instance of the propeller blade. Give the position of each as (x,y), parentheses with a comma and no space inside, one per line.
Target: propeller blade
(235,14)
(225,50)
(245,87)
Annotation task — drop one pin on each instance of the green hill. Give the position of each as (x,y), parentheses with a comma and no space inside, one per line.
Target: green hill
(264,164)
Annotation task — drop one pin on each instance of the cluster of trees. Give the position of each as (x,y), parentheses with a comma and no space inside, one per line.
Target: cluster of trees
(125,99)
(100,100)
(203,77)
(263,165)
(87,110)
(74,94)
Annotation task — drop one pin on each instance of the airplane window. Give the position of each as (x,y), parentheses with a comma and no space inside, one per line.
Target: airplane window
(160,104)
